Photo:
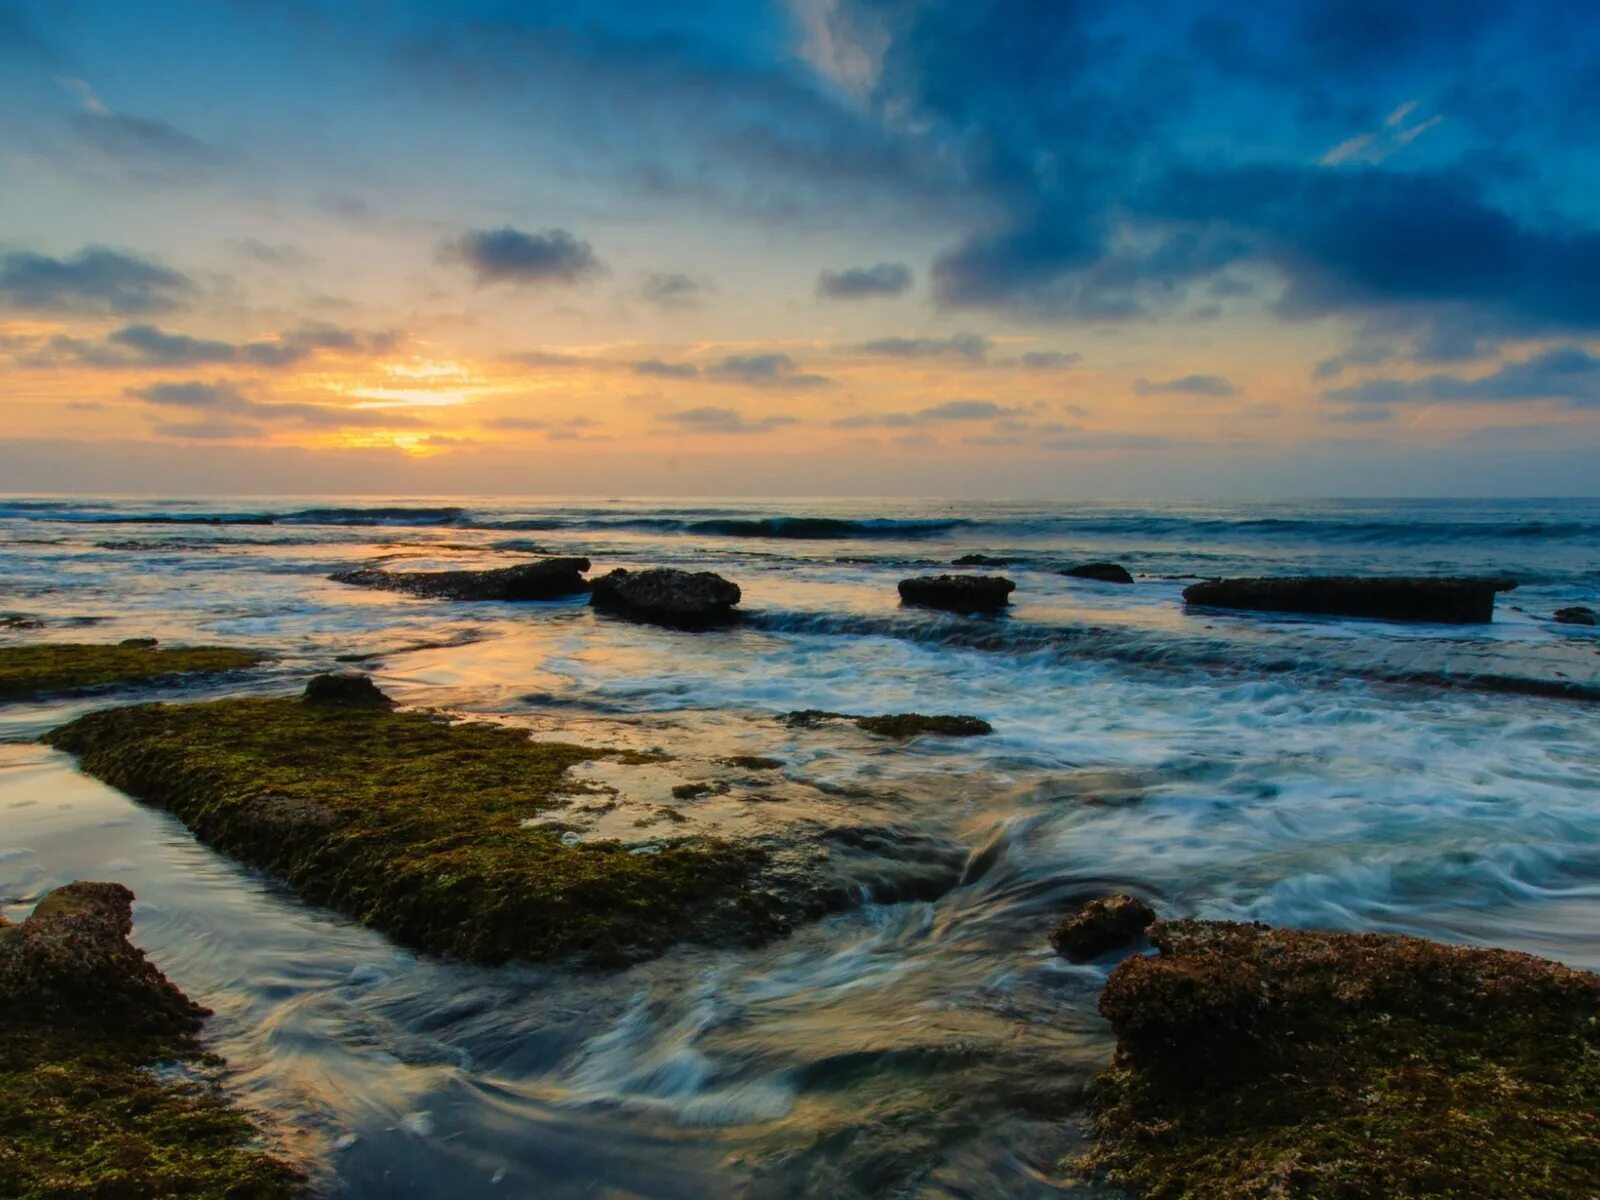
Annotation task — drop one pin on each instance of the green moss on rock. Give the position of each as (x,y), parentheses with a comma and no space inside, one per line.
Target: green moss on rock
(1256,1062)
(422,828)
(46,667)
(82,1112)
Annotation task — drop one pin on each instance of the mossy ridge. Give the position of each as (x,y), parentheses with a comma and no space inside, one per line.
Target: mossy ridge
(82,1112)
(1256,1063)
(415,826)
(45,667)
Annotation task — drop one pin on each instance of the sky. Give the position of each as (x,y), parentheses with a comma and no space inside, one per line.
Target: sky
(791,247)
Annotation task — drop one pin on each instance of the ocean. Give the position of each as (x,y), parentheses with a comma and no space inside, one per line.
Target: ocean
(924,1040)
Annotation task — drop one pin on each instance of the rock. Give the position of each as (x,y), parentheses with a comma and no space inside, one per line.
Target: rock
(1257,1062)
(895,725)
(1456,600)
(345,688)
(980,560)
(144,643)
(666,596)
(547,579)
(753,762)
(1101,926)
(1577,615)
(1105,572)
(958,593)
(19,621)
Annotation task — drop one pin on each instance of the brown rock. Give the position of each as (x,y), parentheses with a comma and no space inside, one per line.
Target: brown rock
(1101,926)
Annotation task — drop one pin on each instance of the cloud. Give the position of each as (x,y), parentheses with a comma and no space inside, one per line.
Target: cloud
(194,394)
(508,255)
(145,345)
(1567,374)
(773,369)
(208,430)
(281,255)
(857,283)
(971,346)
(95,281)
(674,290)
(150,151)
(539,423)
(1363,356)
(1188,385)
(666,370)
(1047,360)
(950,410)
(710,419)
(227,403)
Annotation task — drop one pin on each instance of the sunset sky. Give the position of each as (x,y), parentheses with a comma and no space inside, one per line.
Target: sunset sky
(824,246)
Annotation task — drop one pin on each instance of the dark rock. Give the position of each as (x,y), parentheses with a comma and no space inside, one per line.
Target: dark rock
(1103,571)
(753,762)
(1257,1062)
(547,579)
(958,593)
(18,621)
(139,643)
(666,596)
(1101,926)
(348,689)
(980,560)
(1456,600)
(1577,615)
(895,725)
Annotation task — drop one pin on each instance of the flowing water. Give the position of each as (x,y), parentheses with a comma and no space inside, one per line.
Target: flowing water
(924,1041)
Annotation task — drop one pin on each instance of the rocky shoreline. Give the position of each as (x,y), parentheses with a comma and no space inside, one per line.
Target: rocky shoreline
(52,668)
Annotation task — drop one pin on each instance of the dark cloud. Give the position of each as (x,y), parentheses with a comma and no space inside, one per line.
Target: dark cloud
(1189,385)
(227,403)
(674,290)
(857,283)
(144,345)
(509,255)
(1048,360)
(709,419)
(151,151)
(1567,374)
(194,394)
(950,410)
(971,346)
(773,369)
(95,281)
(666,370)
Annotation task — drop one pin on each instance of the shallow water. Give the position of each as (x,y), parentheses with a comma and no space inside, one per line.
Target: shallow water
(1308,772)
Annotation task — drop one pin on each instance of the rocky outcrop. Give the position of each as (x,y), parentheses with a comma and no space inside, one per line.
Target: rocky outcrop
(346,688)
(1576,615)
(1455,600)
(1101,926)
(1105,572)
(893,725)
(958,593)
(666,596)
(547,579)
(1255,1062)
(980,560)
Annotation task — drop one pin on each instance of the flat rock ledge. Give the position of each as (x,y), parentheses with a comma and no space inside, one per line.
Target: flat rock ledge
(958,593)
(1454,600)
(81,1113)
(547,579)
(667,596)
(1258,1062)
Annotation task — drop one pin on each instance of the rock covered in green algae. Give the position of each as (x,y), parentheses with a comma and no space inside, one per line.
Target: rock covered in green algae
(43,668)
(81,1112)
(1254,1062)
(893,725)
(423,828)
(344,687)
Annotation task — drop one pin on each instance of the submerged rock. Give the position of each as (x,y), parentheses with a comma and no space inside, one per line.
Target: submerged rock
(895,725)
(345,687)
(1105,572)
(547,579)
(49,667)
(1255,1062)
(140,643)
(980,560)
(19,621)
(1577,615)
(1456,600)
(666,596)
(438,834)
(958,593)
(1101,926)
(87,1016)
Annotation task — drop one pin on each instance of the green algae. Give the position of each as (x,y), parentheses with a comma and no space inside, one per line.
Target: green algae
(90,1102)
(423,828)
(43,668)
(1257,1063)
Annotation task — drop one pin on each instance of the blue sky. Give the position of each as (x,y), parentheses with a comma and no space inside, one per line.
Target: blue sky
(1004,248)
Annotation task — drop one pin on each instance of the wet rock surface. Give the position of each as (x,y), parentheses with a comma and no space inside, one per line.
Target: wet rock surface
(1101,926)
(667,596)
(81,1114)
(958,593)
(1576,615)
(1105,572)
(1457,600)
(547,579)
(894,725)
(45,668)
(1256,1062)
(345,687)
